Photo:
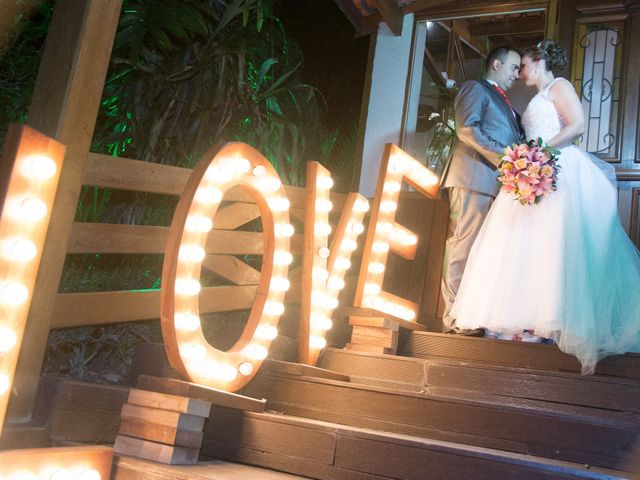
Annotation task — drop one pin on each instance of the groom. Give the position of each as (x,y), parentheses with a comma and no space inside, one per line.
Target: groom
(485,124)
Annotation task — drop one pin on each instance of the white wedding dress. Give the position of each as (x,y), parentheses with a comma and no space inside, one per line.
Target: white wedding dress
(564,268)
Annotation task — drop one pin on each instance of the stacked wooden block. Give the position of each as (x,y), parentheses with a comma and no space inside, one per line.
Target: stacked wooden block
(162,427)
(373,334)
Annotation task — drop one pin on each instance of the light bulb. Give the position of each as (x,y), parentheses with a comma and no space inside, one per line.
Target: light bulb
(317,343)
(259,171)
(321,274)
(323,229)
(388,206)
(258,352)
(372,289)
(61,474)
(332,303)
(198,223)
(242,165)
(342,263)
(193,351)
(279,204)
(90,474)
(335,283)
(324,182)
(284,229)
(380,247)
(357,228)
(398,164)
(273,308)
(208,195)
(187,286)
(321,322)
(4,383)
(191,253)
(324,252)
(8,339)
(267,332)
(349,245)
(187,322)
(324,206)
(14,293)
(410,240)
(245,368)
(33,209)
(384,227)
(282,258)
(392,187)
(361,205)
(269,184)
(376,267)
(228,373)
(42,167)
(20,250)
(219,174)
(280,284)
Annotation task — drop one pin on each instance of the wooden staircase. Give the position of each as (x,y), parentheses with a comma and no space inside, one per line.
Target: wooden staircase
(467,408)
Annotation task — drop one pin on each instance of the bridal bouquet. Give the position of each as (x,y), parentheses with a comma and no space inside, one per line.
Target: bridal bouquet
(528,171)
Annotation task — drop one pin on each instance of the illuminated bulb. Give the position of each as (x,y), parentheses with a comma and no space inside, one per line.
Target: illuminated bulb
(318,298)
(372,289)
(324,206)
(376,267)
(342,263)
(426,178)
(324,252)
(321,274)
(33,209)
(322,229)
(357,228)
(380,247)
(392,187)
(317,342)
(349,245)
(279,204)
(24,475)
(14,293)
(267,332)
(388,206)
(21,250)
(409,314)
(282,258)
(198,223)
(336,283)
(208,195)
(280,284)
(398,164)
(90,474)
(284,229)
(398,311)
(321,322)
(61,474)
(228,373)
(219,174)
(269,184)
(242,165)
(361,205)
(377,303)
(258,352)
(42,167)
(8,339)
(410,240)
(187,286)
(259,171)
(331,302)
(384,227)
(273,308)
(324,182)
(245,369)
(4,383)
(187,322)
(194,351)
(191,253)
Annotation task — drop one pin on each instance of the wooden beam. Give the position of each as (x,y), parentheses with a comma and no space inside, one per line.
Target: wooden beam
(391,14)
(442,9)
(232,269)
(508,26)
(64,106)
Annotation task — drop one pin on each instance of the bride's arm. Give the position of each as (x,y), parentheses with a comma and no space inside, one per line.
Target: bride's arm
(568,105)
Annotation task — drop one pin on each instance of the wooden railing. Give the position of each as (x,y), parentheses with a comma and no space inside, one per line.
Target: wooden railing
(224,244)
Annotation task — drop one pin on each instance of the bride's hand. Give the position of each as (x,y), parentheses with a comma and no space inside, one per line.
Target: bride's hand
(567,103)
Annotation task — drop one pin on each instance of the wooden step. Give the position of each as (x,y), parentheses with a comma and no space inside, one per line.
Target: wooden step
(514,354)
(331,451)
(565,432)
(127,468)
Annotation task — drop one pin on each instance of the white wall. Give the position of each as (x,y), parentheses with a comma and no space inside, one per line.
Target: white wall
(386,100)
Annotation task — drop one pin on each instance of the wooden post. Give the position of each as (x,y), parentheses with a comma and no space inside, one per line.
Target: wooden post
(64,106)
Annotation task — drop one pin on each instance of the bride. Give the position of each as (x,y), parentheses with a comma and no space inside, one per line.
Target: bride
(562,269)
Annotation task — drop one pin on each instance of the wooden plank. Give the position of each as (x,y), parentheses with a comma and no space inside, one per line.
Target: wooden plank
(235,215)
(377,341)
(367,312)
(187,389)
(147,430)
(364,347)
(300,370)
(373,322)
(576,438)
(374,332)
(167,418)
(24,436)
(137,175)
(163,401)
(391,14)
(64,106)
(157,452)
(232,269)
(299,438)
(128,468)
(88,413)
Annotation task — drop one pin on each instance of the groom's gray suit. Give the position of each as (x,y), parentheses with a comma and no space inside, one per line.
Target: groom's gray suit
(485,125)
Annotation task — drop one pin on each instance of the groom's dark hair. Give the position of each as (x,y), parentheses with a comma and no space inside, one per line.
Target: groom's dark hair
(500,53)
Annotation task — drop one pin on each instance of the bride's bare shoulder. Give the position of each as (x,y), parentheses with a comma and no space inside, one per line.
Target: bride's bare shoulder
(561,88)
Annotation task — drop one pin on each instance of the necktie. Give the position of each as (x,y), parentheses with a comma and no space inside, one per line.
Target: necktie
(501,92)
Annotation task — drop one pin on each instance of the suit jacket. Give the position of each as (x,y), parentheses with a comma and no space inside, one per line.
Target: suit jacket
(485,125)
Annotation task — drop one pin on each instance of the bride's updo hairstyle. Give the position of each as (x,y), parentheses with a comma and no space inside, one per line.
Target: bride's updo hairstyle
(554,56)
